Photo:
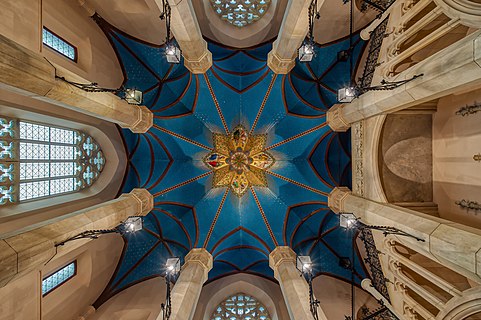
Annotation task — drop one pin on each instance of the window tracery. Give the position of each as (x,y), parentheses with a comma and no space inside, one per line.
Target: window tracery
(240,12)
(38,161)
(240,307)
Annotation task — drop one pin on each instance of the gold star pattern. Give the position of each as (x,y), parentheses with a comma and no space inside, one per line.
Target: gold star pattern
(239,160)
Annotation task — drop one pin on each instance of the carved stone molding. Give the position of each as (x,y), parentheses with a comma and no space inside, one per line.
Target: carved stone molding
(335,200)
(357,138)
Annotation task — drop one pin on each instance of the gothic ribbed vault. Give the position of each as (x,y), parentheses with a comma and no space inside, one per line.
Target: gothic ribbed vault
(168,160)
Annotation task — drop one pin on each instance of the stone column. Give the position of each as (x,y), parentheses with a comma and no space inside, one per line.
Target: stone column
(456,68)
(455,246)
(28,73)
(27,251)
(187,289)
(292,33)
(186,30)
(293,286)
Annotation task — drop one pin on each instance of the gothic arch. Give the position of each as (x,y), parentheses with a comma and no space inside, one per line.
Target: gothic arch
(30,215)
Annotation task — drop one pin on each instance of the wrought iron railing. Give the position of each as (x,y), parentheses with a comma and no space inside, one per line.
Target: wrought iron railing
(378,5)
(377,37)
(378,279)
(372,260)
(381,313)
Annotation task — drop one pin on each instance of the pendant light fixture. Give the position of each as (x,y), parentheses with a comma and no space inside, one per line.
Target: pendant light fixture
(306,51)
(172,50)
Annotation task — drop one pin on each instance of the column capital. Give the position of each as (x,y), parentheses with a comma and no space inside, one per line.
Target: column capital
(280,255)
(145,120)
(144,199)
(336,198)
(335,119)
(279,65)
(200,256)
(199,65)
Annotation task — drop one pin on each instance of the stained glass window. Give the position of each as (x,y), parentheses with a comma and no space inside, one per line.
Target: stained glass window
(40,161)
(58,44)
(240,12)
(59,277)
(240,307)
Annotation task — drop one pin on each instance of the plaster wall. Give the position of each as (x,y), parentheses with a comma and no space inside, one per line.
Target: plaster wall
(456,175)
(405,154)
(138,302)
(335,297)
(138,18)
(96,262)
(22,21)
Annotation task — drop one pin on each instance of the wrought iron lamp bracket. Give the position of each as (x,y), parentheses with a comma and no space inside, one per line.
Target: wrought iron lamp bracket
(388,230)
(89,234)
(386,85)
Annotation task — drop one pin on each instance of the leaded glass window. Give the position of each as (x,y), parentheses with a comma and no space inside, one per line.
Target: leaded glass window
(58,44)
(240,307)
(59,277)
(240,12)
(38,161)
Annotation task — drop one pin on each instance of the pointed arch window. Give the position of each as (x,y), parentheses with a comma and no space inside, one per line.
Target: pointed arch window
(240,12)
(39,161)
(240,307)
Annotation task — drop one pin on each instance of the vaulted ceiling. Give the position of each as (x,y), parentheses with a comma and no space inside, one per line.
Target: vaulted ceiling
(191,114)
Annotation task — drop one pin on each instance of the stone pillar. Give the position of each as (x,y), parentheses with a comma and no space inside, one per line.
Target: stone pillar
(452,245)
(186,30)
(28,73)
(293,286)
(456,68)
(292,33)
(187,289)
(27,251)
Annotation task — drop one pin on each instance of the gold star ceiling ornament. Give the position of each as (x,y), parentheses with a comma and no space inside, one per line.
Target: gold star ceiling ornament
(239,160)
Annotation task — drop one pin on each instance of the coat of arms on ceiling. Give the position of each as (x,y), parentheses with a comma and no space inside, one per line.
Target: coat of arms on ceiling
(239,160)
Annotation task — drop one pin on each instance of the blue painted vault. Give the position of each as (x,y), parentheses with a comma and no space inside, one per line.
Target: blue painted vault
(167,160)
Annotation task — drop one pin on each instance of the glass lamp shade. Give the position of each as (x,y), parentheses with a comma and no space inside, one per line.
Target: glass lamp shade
(133,96)
(346,95)
(172,53)
(306,52)
(133,224)
(173,265)
(304,264)
(347,220)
